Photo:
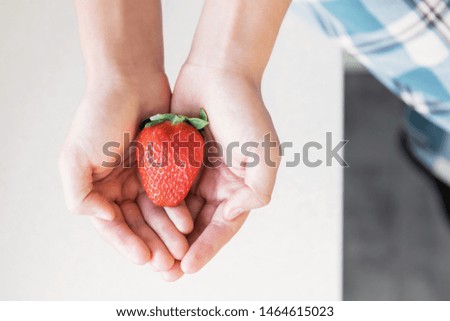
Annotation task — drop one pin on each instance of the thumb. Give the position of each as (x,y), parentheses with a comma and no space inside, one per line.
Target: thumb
(259,184)
(243,201)
(78,190)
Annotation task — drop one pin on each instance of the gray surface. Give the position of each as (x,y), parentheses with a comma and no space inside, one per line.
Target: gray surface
(396,235)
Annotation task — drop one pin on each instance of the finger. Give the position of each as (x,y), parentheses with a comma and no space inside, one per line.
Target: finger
(174,273)
(194,203)
(202,221)
(158,220)
(97,205)
(119,235)
(160,259)
(181,217)
(214,237)
(78,189)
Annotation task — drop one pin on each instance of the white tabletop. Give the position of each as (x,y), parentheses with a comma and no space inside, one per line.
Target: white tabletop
(289,250)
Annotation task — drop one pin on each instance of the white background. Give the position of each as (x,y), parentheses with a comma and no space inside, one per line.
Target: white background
(288,251)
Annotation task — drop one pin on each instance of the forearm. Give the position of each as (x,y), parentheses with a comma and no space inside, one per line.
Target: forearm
(238,34)
(120,38)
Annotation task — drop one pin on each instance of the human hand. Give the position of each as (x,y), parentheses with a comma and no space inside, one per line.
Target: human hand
(223,195)
(112,195)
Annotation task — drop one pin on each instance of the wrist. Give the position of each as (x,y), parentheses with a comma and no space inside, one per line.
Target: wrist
(222,66)
(205,75)
(228,61)
(122,71)
(145,89)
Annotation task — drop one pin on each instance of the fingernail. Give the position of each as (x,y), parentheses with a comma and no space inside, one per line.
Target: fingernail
(233,213)
(186,268)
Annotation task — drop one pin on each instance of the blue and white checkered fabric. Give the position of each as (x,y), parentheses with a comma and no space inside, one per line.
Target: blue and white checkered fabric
(406,45)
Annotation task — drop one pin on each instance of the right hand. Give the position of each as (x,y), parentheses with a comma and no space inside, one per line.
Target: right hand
(113,196)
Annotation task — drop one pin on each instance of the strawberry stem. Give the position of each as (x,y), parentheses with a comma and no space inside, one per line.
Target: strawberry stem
(198,123)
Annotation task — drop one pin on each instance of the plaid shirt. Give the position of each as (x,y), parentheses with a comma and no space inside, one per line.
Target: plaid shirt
(406,45)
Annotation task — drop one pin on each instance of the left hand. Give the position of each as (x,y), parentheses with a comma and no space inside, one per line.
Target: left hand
(224,194)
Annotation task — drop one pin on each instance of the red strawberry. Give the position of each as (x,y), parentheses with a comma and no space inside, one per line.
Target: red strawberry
(170,155)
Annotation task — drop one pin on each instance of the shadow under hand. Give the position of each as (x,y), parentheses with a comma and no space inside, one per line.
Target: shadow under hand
(443,188)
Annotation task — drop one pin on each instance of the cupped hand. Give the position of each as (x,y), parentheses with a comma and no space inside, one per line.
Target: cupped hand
(231,185)
(111,192)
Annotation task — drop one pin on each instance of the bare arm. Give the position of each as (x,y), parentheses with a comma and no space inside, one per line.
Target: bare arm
(122,46)
(238,34)
(121,38)
(231,48)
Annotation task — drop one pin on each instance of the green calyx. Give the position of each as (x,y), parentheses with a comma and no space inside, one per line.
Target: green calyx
(198,123)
